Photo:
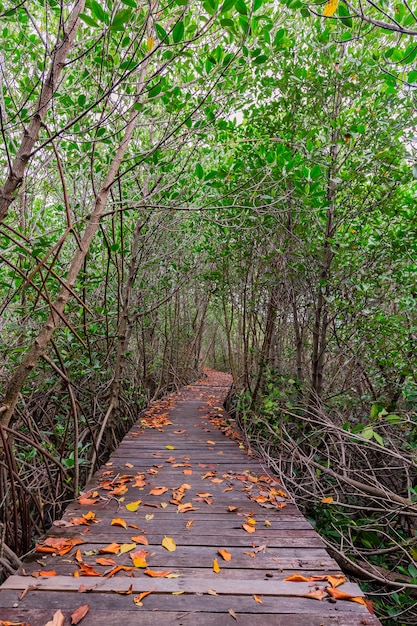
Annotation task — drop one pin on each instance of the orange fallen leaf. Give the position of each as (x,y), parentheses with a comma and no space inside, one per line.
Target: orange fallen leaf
(79,614)
(328,500)
(187,506)
(248,528)
(138,599)
(169,544)
(232,509)
(86,500)
(204,494)
(225,554)
(297,578)
(112,548)
(216,567)
(141,539)
(78,556)
(251,554)
(118,568)
(189,524)
(105,561)
(118,521)
(125,593)
(336,580)
(337,594)
(48,573)
(153,574)
(257,599)
(187,472)
(158,491)
(86,570)
(59,546)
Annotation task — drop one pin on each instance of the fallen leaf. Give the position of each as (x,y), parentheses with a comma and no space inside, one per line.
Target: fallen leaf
(336,580)
(337,594)
(232,613)
(112,548)
(187,472)
(105,561)
(189,524)
(118,521)
(125,593)
(317,594)
(177,593)
(57,545)
(169,544)
(297,578)
(158,491)
(138,599)
(127,547)
(327,500)
(212,592)
(139,557)
(225,554)
(248,528)
(267,523)
(118,568)
(86,570)
(149,517)
(257,599)
(133,506)
(57,620)
(79,613)
(141,539)
(86,500)
(153,574)
(216,567)
(170,447)
(232,509)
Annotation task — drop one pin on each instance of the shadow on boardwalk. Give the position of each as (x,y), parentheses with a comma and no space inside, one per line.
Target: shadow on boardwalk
(182,526)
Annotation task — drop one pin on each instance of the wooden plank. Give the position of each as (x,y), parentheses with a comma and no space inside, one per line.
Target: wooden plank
(240,587)
(39,617)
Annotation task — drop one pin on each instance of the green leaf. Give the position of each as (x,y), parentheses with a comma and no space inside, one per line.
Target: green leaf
(99,12)
(375,409)
(227,5)
(393,419)
(120,19)
(88,20)
(81,100)
(178,32)
(260,59)
(345,15)
(199,171)
(155,91)
(241,7)
(378,438)
(161,32)
(257,4)
(130,3)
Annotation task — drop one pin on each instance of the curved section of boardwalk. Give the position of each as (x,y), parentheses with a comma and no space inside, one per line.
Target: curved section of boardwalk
(181,478)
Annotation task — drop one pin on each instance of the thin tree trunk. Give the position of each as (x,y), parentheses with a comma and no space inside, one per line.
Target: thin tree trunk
(31,133)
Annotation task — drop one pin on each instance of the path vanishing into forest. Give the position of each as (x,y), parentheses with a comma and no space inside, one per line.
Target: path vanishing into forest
(184,526)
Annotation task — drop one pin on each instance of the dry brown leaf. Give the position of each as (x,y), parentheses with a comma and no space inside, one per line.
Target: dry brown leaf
(189,524)
(225,554)
(232,613)
(57,620)
(3,623)
(79,614)
(212,592)
(257,599)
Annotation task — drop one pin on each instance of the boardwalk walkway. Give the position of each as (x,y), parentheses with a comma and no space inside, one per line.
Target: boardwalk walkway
(231,537)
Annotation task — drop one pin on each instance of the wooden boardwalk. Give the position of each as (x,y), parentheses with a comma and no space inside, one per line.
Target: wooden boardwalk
(186,482)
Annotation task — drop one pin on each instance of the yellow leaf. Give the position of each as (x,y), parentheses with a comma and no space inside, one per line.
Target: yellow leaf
(216,568)
(252,521)
(133,506)
(327,500)
(267,523)
(118,521)
(127,547)
(170,447)
(169,544)
(257,599)
(140,562)
(330,8)
(177,593)
(149,44)
(149,516)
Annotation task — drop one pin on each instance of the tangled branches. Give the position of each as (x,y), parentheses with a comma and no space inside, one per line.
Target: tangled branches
(358,483)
